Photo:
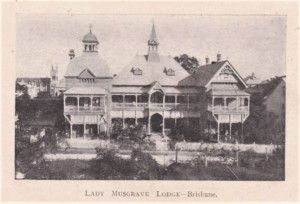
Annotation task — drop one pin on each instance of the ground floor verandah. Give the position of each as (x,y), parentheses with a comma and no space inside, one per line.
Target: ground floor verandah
(225,127)
(86,126)
(154,122)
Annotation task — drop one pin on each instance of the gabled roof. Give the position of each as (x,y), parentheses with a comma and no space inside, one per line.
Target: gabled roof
(86,74)
(154,72)
(205,74)
(155,85)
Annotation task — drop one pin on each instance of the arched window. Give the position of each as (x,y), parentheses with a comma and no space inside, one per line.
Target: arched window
(157,97)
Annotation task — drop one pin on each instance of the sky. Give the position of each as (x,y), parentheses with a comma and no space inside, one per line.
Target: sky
(252,44)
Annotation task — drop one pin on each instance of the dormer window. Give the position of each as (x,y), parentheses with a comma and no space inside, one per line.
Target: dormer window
(170,72)
(137,71)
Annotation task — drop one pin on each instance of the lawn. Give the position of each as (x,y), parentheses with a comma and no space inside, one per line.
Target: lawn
(76,169)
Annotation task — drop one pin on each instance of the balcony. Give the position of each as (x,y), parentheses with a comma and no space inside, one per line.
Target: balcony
(227,109)
(129,105)
(83,109)
(156,106)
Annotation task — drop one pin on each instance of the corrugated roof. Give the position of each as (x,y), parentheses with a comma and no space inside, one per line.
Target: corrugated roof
(91,61)
(85,90)
(206,72)
(154,72)
(227,90)
(180,90)
(168,90)
(129,89)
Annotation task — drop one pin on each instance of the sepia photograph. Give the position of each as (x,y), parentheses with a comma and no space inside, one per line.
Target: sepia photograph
(150,102)
(150,97)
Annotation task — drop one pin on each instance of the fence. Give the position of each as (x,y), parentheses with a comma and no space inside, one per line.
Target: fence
(79,143)
(188,146)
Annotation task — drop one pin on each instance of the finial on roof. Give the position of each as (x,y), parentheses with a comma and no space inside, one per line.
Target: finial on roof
(90,28)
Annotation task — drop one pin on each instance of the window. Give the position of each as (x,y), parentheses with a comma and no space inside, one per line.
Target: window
(283,90)
(137,71)
(193,99)
(169,72)
(96,101)
(142,98)
(117,98)
(129,99)
(170,99)
(182,99)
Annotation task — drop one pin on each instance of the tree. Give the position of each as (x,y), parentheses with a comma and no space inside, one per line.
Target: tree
(108,165)
(262,126)
(190,64)
(43,95)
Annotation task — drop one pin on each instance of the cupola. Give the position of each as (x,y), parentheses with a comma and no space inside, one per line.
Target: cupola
(90,42)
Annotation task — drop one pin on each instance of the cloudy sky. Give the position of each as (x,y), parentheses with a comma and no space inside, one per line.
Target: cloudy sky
(251,43)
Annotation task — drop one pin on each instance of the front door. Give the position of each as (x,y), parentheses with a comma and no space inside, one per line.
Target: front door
(156,123)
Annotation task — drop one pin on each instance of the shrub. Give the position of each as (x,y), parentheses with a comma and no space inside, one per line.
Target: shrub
(108,165)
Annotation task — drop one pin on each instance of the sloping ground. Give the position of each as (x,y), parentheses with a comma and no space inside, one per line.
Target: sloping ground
(215,171)
(75,169)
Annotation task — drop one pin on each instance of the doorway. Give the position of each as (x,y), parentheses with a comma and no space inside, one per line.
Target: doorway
(156,123)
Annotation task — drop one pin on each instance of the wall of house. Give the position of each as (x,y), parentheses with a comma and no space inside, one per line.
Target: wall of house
(276,100)
(105,83)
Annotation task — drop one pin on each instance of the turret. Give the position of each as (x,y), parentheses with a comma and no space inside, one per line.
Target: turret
(153,43)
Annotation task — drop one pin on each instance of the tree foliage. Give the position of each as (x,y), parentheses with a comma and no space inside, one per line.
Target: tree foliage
(262,126)
(190,64)
(108,166)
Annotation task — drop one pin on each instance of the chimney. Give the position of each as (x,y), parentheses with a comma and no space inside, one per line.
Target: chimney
(252,75)
(71,54)
(218,57)
(207,60)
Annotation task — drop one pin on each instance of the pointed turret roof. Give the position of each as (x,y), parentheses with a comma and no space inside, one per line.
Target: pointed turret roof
(153,38)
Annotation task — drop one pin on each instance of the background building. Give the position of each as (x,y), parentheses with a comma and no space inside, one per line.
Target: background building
(35,85)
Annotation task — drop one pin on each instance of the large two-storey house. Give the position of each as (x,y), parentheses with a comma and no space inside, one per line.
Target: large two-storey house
(152,90)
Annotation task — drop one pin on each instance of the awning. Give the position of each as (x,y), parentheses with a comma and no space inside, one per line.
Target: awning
(181,90)
(227,90)
(129,89)
(181,114)
(86,91)
(168,90)
(225,118)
